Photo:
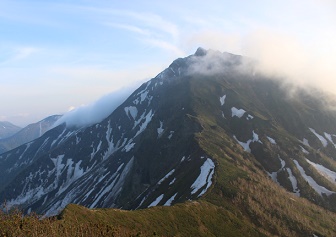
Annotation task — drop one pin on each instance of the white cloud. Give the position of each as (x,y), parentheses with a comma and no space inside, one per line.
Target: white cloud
(132,28)
(95,112)
(285,56)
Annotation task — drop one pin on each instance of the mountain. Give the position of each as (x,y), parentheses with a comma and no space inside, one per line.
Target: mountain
(233,147)
(27,134)
(7,129)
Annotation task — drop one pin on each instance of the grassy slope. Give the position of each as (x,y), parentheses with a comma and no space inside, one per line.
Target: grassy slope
(239,180)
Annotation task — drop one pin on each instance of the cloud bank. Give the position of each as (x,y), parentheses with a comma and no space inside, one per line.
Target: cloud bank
(95,112)
(280,55)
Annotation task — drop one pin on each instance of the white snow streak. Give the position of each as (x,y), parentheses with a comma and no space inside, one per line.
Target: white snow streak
(156,201)
(143,126)
(129,146)
(304,150)
(131,110)
(327,173)
(271,140)
(166,176)
(170,135)
(207,171)
(246,145)
(328,136)
(173,181)
(305,142)
(318,188)
(249,117)
(222,100)
(170,200)
(160,129)
(274,175)
(293,181)
(321,138)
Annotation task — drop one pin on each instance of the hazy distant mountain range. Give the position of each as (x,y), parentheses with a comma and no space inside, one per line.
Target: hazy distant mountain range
(27,134)
(210,128)
(7,129)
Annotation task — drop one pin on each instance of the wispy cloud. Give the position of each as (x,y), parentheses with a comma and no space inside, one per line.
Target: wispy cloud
(17,54)
(150,29)
(24,52)
(131,28)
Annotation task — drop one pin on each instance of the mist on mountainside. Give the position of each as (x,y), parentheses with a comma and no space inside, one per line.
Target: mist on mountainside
(95,112)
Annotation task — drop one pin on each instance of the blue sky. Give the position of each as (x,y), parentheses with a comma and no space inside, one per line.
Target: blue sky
(56,55)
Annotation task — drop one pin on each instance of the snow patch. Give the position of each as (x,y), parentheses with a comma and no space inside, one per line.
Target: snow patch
(170,135)
(256,137)
(170,200)
(325,172)
(129,146)
(318,188)
(305,142)
(328,136)
(160,129)
(222,100)
(204,178)
(156,201)
(271,140)
(166,176)
(143,96)
(237,112)
(274,175)
(249,117)
(246,145)
(321,138)
(304,150)
(143,126)
(293,181)
(131,110)
(172,182)
(223,115)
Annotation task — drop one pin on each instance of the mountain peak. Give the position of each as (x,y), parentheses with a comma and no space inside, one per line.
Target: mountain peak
(201,52)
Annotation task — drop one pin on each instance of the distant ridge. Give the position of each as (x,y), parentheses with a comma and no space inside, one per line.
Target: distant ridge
(7,129)
(27,134)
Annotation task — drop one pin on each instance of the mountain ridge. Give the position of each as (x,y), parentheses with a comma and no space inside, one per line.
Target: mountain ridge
(216,134)
(28,133)
(7,129)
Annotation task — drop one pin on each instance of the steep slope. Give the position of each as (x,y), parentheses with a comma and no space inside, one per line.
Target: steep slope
(7,129)
(281,134)
(204,126)
(114,163)
(27,134)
